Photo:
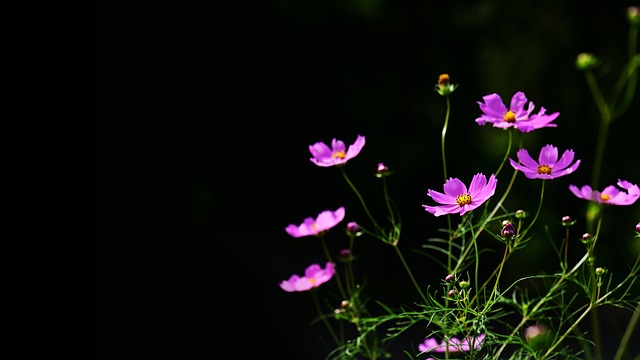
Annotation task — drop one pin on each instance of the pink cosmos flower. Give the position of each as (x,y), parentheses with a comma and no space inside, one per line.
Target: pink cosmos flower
(314,276)
(456,198)
(337,154)
(548,166)
(310,226)
(454,344)
(610,195)
(496,113)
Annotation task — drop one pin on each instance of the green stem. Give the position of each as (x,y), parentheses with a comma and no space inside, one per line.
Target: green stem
(486,220)
(324,318)
(364,205)
(444,133)
(325,248)
(413,279)
(506,155)
(605,118)
(541,302)
(624,342)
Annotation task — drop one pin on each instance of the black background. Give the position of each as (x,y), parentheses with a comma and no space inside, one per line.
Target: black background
(208,109)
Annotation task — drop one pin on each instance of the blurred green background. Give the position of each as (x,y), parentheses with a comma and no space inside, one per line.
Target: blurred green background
(208,112)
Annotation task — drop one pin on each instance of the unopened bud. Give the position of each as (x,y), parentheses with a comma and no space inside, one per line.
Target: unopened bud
(344,303)
(452,293)
(444,86)
(521,214)
(508,231)
(353,228)
(638,227)
(450,278)
(382,170)
(586,61)
(600,271)
(464,284)
(568,221)
(345,255)
(586,238)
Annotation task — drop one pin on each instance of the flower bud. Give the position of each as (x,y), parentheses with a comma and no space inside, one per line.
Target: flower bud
(521,214)
(586,61)
(508,231)
(353,228)
(450,278)
(344,303)
(600,271)
(633,15)
(444,87)
(638,227)
(586,238)
(464,284)
(534,331)
(452,293)
(382,170)
(568,221)
(345,255)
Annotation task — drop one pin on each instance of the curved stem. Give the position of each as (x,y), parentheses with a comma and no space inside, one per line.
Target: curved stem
(413,279)
(444,133)
(325,248)
(364,205)
(324,318)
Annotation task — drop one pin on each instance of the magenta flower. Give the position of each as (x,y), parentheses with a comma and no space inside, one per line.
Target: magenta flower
(314,276)
(610,195)
(310,226)
(548,166)
(496,113)
(456,198)
(337,154)
(454,344)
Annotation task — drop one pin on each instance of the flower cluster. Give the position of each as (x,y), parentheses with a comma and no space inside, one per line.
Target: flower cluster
(467,315)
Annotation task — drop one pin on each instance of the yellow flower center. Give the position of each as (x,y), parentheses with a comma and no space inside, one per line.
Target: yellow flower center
(339,155)
(464,199)
(312,280)
(604,197)
(544,169)
(510,116)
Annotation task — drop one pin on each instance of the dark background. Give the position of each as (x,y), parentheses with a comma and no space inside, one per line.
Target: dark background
(208,110)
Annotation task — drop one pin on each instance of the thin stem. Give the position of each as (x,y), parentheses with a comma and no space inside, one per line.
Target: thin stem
(626,337)
(487,219)
(325,248)
(444,133)
(324,318)
(541,302)
(506,155)
(605,118)
(413,279)
(364,205)
(537,212)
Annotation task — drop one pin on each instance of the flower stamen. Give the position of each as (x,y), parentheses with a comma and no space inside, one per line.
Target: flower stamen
(510,117)
(544,169)
(464,199)
(604,197)
(339,155)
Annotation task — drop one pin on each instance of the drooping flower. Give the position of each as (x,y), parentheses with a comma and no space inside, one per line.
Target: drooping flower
(548,166)
(456,197)
(454,344)
(314,276)
(310,226)
(497,113)
(337,154)
(610,195)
